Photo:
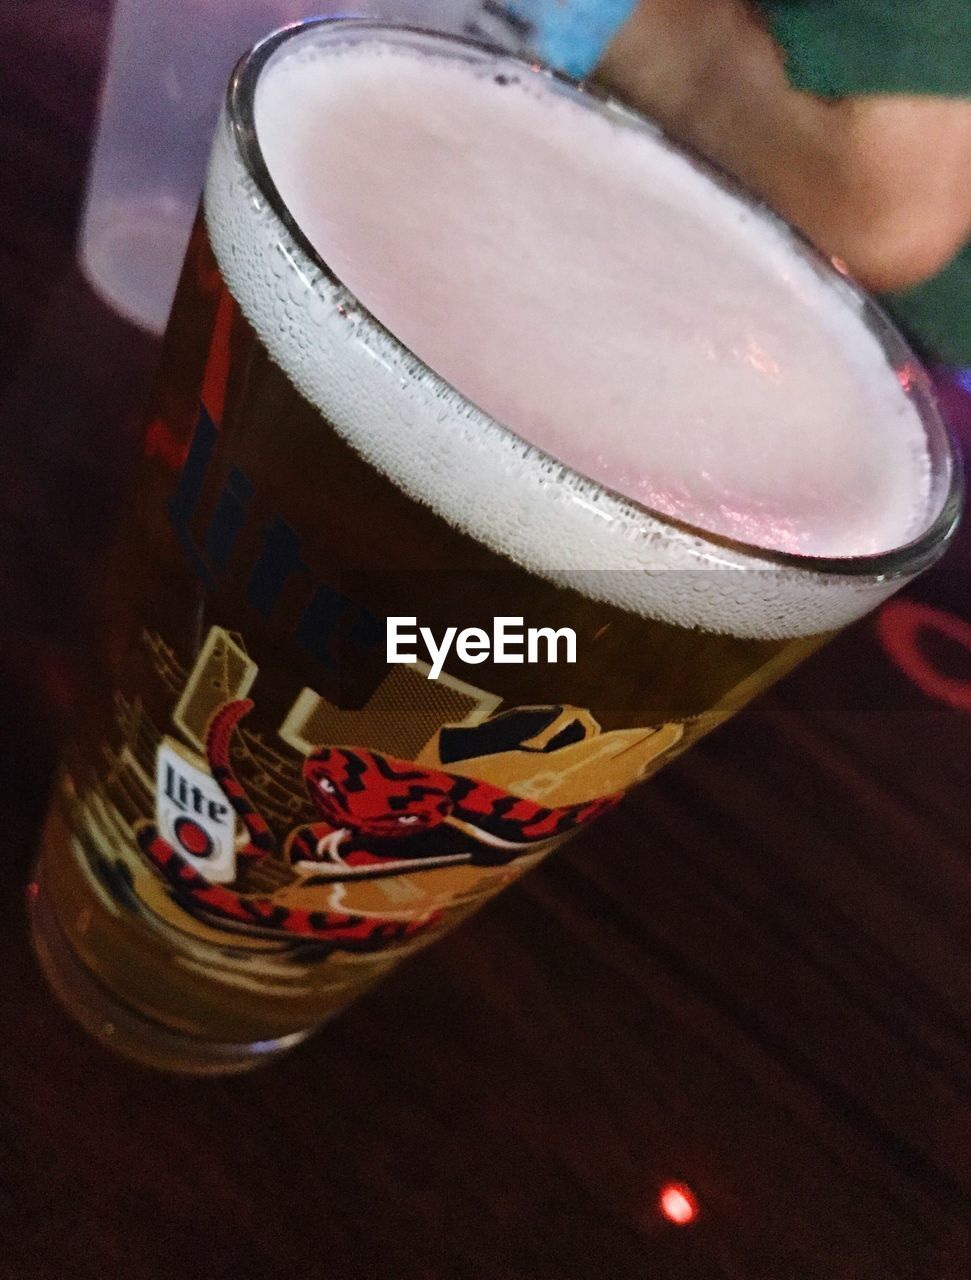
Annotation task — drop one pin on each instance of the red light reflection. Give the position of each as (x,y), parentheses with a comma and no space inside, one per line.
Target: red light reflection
(678,1203)
(908,376)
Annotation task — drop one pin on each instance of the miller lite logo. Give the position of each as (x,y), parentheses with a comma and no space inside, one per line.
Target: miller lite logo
(193,815)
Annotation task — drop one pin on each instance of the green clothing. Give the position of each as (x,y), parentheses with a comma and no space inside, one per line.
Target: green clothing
(841,47)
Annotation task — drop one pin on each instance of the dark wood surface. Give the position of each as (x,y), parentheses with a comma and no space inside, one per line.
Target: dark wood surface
(754,979)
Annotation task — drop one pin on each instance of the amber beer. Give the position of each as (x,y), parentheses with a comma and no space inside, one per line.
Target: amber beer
(260,815)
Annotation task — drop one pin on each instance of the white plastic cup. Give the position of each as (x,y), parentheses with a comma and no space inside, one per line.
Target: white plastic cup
(167,67)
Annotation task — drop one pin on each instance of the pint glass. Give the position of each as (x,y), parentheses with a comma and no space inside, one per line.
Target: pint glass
(263,809)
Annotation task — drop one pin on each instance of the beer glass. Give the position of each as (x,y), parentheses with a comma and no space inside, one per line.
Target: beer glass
(262,809)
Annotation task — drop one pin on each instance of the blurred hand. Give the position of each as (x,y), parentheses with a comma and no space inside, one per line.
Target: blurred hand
(882,182)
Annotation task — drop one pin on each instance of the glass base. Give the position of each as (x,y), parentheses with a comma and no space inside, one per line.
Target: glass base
(121,1028)
(131,253)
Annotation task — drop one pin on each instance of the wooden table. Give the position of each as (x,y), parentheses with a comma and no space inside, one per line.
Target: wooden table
(754,979)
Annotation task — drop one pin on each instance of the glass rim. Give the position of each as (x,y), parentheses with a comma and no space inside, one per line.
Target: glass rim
(946,498)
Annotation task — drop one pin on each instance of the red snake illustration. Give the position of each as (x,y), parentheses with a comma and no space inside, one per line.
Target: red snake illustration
(375,810)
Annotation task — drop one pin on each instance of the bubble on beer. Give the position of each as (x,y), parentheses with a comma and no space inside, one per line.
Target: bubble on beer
(581,282)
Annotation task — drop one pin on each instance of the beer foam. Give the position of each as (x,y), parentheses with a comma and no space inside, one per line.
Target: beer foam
(587,286)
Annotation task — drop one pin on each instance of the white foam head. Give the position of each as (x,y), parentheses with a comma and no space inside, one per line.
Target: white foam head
(582,282)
